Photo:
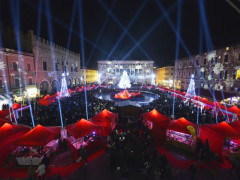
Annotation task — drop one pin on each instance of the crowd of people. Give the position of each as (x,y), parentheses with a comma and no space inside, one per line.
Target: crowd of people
(165,103)
(131,149)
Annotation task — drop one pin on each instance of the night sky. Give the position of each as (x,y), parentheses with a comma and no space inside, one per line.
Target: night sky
(160,45)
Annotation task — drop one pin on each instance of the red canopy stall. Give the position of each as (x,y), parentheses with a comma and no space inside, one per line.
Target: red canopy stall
(181,133)
(40,137)
(106,120)
(158,123)
(216,134)
(8,130)
(81,128)
(83,133)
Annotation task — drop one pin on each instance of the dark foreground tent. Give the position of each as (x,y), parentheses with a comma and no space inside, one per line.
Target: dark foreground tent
(158,123)
(9,130)
(181,124)
(38,136)
(106,120)
(216,133)
(81,128)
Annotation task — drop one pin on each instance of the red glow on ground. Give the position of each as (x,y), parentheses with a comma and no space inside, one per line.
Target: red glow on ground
(126,95)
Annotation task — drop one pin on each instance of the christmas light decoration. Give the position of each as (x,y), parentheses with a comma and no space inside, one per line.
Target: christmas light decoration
(64,89)
(191,88)
(124,81)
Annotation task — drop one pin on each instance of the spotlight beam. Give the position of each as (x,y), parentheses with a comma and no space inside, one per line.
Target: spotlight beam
(179,13)
(80,21)
(66,26)
(101,32)
(52,52)
(127,28)
(180,38)
(123,28)
(152,28)
(37,49)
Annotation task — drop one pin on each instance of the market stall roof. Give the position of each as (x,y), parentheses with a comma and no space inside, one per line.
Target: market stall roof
(81,128)
(8,130)
(105,115)
(38,136)
(4,113)
(157,118)
(206,101)
(235,125)
(223,129)
(180,125)
(219,106)
(234,109)
(3,121)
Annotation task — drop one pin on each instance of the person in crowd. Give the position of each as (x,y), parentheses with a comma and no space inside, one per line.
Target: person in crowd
(41,171)
(193,170)
(31,173)
(46,161)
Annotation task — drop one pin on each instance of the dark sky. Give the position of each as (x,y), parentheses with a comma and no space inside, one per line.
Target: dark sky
(159,45)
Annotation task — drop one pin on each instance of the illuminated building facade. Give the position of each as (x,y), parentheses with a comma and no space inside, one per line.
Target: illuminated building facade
(218,70)
(139,71)
(165,76)
(44,62)
(89,75)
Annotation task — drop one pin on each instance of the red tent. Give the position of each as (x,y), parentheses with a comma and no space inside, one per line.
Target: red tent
(38,136)
(206,101)
(16,106)
(157,118)
(215,139)
(224,130)
(106,120)
(4,113)
(159,126)
(180,125)
(8,130)
(234,109)
(235,125)
(3,121)
(219,106)
(81,128)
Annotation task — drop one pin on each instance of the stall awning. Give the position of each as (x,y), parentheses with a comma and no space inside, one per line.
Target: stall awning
(105,115)
(81,128)
(180,125)
(38,136)
(234,109)
(8,130)
(224,130)
(157,118)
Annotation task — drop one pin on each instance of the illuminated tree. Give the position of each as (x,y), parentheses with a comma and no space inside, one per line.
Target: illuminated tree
(124,81)
(191,88)
(64,89)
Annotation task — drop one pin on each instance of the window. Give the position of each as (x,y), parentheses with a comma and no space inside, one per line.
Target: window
(232,88)
(224,88)
(215,59)
(16,82)
(212,61)
(226,58)
(28,67)
(71,68)
(205,61)
(212,74)
(15,66)
(1,84)
(221,74)
(44,65)
(197,63)
(234,74)
(225,74)
(56,67)
(30,81)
